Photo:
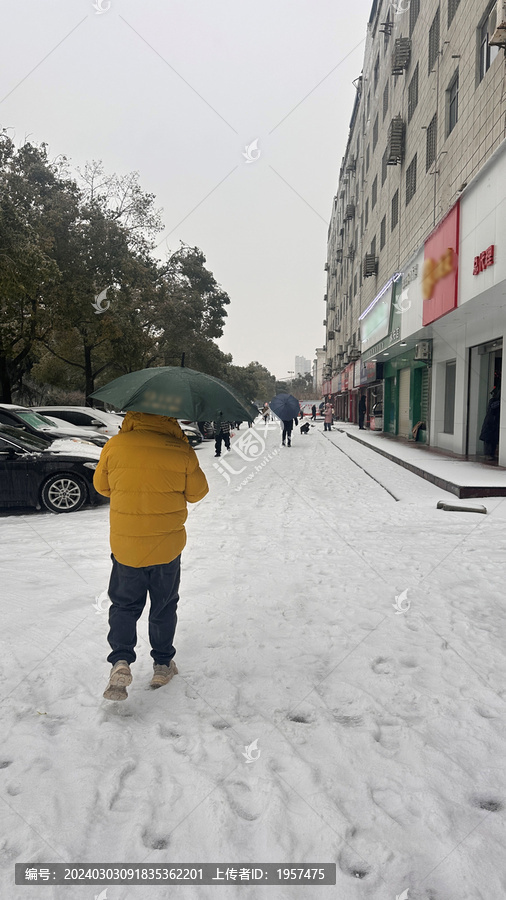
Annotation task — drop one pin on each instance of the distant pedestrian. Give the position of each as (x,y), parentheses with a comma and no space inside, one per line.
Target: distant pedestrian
(313,412)
(329,416)
(221,435)
(266,413)
(287,431)
(361,412)
(490,429)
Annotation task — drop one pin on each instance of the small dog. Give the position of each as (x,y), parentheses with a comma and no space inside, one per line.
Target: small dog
(305,428)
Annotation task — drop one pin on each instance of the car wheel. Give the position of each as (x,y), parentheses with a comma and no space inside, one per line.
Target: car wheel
(64,493)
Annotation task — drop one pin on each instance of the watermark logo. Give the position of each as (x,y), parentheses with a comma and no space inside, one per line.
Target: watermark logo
(252,152)
(249,447)
(250,750)
(403,896)
(403,303)
(101,6)
(97,305)
(400,6)
(98,605)
(399,608)
(102,895)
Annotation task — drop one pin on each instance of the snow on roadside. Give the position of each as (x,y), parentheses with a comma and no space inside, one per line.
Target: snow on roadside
(380,722)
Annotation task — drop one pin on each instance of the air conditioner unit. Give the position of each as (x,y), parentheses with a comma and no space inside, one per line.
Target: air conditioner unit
(331,335)
(350,211)
(324,321)
(339,255)
(395,141)
(332,307)
(497,25)
(401,55)
(325,298)
(370,265)
(350,166)
(422,350)
(351,252)
(354,354)
(334,272)
(326,267)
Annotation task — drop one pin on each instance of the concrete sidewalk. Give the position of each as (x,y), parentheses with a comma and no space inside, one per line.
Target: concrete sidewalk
(462,477)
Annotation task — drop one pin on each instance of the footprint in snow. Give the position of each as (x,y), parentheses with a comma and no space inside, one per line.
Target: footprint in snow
(382,665)
(488,803)
(302,720)
(5,763)
(154,842)
(348,721)
(242,801)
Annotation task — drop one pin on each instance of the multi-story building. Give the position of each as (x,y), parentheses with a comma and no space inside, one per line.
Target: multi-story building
(318,366)
(416,258)
(302,366)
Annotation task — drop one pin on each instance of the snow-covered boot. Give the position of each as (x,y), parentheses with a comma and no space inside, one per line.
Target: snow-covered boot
(163,674)
(120,677)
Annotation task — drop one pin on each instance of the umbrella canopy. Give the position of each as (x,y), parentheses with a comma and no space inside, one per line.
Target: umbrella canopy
(285,406)
(179,392)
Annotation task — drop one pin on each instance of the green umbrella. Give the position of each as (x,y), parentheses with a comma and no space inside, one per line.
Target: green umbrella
(179,392)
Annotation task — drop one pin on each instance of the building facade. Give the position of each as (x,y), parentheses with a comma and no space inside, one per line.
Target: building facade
(302,366)
(416,287)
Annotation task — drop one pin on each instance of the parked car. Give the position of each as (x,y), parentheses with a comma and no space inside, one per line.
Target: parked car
(57,476)
(85,417)
(32,422)
(192,432)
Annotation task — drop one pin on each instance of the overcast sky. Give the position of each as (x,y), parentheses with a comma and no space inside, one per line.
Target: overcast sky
(176,90)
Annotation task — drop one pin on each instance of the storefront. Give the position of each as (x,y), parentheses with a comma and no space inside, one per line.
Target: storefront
(371,382)
(468,341)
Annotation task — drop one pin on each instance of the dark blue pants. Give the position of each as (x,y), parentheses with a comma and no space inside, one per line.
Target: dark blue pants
(128,588)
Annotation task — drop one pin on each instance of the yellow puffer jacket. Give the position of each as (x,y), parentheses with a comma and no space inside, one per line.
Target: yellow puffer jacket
(150,472)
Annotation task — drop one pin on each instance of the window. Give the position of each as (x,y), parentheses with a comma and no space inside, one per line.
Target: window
(452,9)
(367,158)
(411,180)
(373,246)
(386,36)
(434,41)
(383,232)
(414,9)
(376,71)
(413,94)
(395,210)
(452,102)
(366,212)
(449,414)
(431,143)
(384,167)
(374,192)
(486,53)
(375,133)
(385,101)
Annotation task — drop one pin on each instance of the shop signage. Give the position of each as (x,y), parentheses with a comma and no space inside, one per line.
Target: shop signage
(440,268)
(370,370)
(484,260)
(356,374)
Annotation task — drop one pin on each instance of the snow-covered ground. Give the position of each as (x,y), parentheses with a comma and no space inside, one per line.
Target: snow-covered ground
(340,623)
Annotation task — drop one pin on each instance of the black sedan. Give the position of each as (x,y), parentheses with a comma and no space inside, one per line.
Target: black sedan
(33,473)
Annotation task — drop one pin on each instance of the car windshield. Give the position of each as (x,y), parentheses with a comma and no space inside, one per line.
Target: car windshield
(24,440)
(34,419)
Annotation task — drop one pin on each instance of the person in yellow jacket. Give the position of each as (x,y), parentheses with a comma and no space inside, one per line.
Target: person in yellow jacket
(150,473)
